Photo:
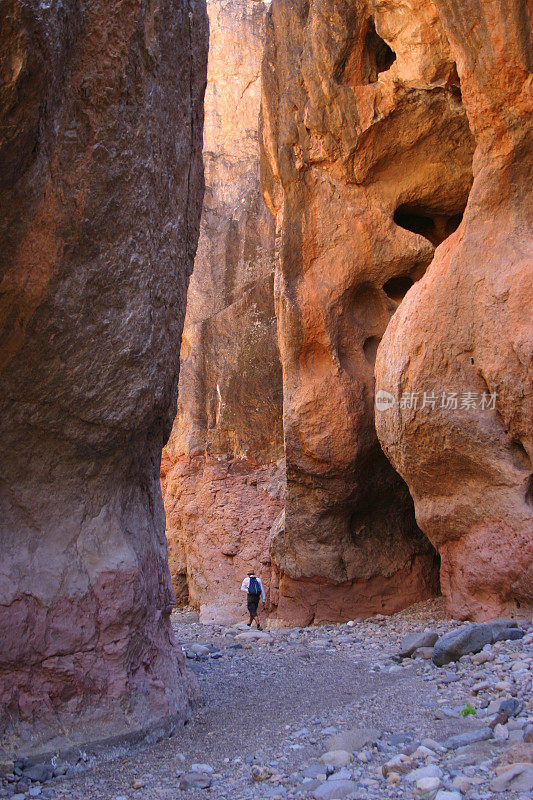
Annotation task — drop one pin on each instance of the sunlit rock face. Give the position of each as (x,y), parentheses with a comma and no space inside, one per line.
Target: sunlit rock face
(367,165)
(100,194)
(222,469)
(466,327)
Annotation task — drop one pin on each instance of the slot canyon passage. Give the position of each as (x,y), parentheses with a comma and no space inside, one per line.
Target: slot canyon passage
(340,398)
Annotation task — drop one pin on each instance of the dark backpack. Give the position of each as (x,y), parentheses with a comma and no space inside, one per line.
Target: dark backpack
(254,587)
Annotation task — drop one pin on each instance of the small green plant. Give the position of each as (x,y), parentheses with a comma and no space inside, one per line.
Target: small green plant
(468,709)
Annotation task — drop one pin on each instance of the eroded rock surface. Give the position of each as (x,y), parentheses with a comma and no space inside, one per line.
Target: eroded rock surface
(100,193)
(222,472)
(466,328)
(367,159)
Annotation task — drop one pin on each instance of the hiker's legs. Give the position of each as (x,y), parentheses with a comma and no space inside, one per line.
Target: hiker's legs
(252,610)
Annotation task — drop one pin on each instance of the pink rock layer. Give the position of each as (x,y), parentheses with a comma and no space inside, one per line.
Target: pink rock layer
(231,507)
(100,195)
(317,601)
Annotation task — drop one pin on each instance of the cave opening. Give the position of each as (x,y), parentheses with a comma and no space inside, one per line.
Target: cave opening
(396,288)
(367,56)
(180,582)
(377,55)
(370,348)
(432,225)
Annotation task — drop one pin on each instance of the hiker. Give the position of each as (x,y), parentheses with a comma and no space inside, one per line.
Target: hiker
(254,589)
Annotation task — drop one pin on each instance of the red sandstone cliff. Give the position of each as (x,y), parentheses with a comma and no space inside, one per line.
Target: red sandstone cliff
(371,114)
(367,159)
(100,193)
(467,328)
(222,471)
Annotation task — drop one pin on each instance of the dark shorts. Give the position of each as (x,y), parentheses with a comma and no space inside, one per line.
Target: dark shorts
(253,602)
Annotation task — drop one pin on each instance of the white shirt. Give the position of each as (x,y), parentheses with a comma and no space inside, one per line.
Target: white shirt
(246,584)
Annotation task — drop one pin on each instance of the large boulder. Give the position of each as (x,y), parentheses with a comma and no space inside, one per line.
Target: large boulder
(367,165)
(100,194)
(456,357)
(472,639)
(222,471)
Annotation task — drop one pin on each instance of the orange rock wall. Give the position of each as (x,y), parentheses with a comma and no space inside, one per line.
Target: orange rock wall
(367,157)
(394,158)
(467,327)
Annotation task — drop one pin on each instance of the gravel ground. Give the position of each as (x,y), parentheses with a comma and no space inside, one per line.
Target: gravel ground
(269,708)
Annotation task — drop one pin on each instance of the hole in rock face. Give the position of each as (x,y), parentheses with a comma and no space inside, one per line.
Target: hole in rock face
(520,457)
(370,348)
(366,57)
(396,288)
(181,588)
(434,226)
(454,85)
(529,491)
(377,55)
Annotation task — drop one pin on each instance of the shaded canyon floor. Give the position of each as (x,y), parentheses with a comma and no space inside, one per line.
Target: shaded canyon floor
(270,708)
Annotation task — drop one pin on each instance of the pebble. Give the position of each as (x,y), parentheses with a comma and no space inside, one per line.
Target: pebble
(470,737)
(39,772)
(427,785)
(261,773)
(501,732)
(336,758)
(334,790)
(206,769)
(199,650)
(195,780)
(431,771)
(253,636)
(512,707)
(353,740)
(518,778)
(414,641)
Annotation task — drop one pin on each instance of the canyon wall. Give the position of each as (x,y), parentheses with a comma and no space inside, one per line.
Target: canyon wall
(367,165)
(375,119)
(222,469)
(100,193)
(466,331)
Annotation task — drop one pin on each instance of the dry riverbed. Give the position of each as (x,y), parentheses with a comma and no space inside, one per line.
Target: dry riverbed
(331,712)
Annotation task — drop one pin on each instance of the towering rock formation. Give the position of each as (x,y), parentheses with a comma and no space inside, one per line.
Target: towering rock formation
(466,328)
(100,193)
(222,474)
(367,159)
